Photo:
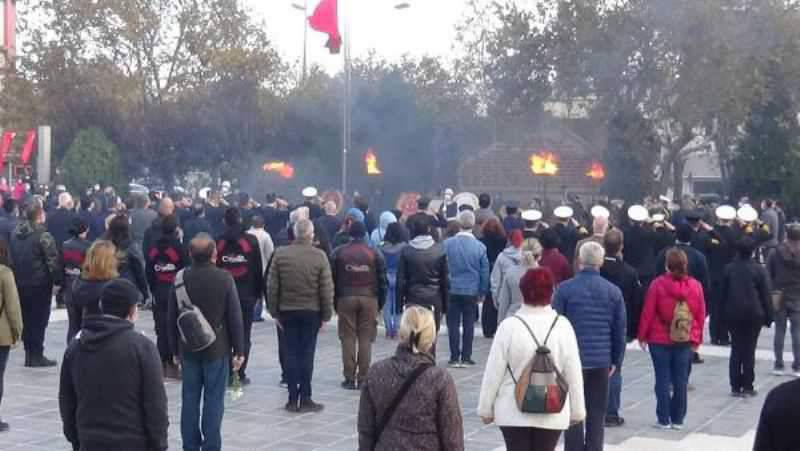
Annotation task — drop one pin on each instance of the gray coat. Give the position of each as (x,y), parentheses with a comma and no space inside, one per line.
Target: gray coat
(509,298)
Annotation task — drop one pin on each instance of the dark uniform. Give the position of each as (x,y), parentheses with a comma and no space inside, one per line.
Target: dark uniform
(722,251)
(73,253)
(568,236)
(640,250)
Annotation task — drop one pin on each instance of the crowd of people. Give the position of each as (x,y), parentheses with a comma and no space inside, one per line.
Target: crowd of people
(560,299)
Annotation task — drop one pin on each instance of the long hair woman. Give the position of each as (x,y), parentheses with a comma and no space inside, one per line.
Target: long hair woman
(493,236)
(395,239)
(99,266)
(510,297)
(428,415)
(10,316)
(512,350)
(671,359)
(129,266)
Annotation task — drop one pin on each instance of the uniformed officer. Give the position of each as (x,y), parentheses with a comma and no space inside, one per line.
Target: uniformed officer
(534,226)
(569,231)
(640,244)
(722,251)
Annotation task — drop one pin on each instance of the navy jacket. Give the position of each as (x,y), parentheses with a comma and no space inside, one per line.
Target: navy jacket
(596,310)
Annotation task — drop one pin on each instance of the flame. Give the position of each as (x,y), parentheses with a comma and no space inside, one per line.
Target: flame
(596,172)
(372,163)
(281,168)
(544,163)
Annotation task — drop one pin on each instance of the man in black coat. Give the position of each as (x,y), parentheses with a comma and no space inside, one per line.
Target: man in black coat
(625,277)
(722,251)
(111,394)
(8,222)
(196,225)
(60,221)
(777,428)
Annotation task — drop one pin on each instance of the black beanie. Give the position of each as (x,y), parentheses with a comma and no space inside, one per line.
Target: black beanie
(358,230)
(118,296)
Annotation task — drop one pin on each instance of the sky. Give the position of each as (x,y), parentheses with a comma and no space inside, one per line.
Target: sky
(426,28)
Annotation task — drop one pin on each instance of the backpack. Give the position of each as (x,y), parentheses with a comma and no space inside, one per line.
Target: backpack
(541,388)
(680,328)
(195,331)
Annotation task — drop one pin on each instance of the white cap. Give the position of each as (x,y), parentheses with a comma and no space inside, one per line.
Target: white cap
(563,212)
(226,184)
(664,199)
(448,191)
(531,215)
(747,214)
(599,211)
(310,191)
(658,217)
(638,213)
(725,213)
(203,193)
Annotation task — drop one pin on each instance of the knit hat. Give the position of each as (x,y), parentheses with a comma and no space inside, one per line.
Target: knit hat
(118,296)
(358,230)
(537,286)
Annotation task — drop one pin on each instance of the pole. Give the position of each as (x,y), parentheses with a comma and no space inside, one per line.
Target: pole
(305,38)
(346,103)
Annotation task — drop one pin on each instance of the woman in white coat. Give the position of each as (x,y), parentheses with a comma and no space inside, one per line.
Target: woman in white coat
(512,350)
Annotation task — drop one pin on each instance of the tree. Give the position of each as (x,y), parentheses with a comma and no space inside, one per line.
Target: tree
(91,159)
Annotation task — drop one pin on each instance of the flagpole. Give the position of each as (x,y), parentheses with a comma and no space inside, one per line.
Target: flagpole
(305,37)
(346,103)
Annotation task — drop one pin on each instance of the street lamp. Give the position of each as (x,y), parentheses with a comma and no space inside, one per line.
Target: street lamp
(304,8)
(403,5)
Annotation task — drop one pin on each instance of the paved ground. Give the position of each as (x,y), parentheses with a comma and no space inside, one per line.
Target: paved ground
(258,422)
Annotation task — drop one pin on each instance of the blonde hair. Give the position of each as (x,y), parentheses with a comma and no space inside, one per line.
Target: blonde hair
(298,214)
(101,261)
(531,253)
(418,329)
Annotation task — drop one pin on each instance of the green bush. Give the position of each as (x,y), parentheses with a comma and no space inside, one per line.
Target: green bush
(91,159)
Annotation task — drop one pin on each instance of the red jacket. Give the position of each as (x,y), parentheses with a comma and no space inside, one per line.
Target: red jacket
(660,305)
(553,260)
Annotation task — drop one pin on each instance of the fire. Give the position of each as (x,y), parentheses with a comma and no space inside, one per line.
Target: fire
(281,168)
(372,163)
(544,163)
(596,172)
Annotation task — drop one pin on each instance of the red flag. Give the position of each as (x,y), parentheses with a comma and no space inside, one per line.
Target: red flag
(27,148)
(8,138)
(326,20)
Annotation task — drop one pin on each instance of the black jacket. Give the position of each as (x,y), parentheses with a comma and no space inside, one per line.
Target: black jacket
(193,227)
(7,226)
(58,224)
(722,251)
(35,257)
(238,253)
(84,300)
(163,260)
(112,393)
(777,428)
(330,224)
(746,294)
(131,268)
(784,270)
(275,220)
(214,292)
(422,276)
(698,266)
(640,249)
(358,270)
(625,277)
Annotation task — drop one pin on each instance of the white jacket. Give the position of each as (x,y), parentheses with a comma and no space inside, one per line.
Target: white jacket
(514,346)
(265,245)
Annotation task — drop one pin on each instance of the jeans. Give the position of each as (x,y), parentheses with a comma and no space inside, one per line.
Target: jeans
(530,438)
(461,310)
(781,317)
(300,329)
(282,353)
(614,393)
(357,330)
(390,318)
(207,380)
(35,303)
(4,351)
(743,355)
(671,363)
(589,435)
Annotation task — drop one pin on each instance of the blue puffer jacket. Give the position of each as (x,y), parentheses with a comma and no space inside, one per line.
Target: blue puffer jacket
(469,265)
(596,310)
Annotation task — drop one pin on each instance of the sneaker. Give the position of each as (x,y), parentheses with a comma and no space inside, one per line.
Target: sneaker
(614,421)
(4,427)
(309,406)
(455,364)
(663,427)
(292,407)
(778,370)
(349,385)
(40,361)
(697,360)
(677,427)
(468,363)
(749,393)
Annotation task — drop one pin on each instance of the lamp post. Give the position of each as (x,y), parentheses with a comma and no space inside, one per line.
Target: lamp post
(304,8)
(347,108)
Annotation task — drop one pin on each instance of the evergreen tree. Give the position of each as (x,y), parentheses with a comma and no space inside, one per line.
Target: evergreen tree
(91,159)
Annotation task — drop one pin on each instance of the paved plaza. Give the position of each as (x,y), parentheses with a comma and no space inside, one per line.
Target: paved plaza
(257,421)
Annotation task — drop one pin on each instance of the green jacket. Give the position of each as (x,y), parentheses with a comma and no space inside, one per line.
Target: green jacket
(300,279)
(10,314)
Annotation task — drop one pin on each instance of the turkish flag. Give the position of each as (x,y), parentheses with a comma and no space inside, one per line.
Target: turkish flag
(27,148)
(5,147)
(326,20)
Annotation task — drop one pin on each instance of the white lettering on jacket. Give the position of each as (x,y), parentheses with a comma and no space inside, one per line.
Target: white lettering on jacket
(169,267)
(357,268)
(234,259)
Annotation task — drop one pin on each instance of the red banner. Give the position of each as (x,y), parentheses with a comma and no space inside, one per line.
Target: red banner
(326,20)
(27,148)
(5,147)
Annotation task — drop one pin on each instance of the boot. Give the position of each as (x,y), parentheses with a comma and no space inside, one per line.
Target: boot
(40,361)
(27,359)
(171,371)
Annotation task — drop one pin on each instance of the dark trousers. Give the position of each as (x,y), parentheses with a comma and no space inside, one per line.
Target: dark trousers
(161,296)
(461,310)
(671,364)
(300,330)
(588,436)
(717,326)
(4,351)
(35,304)
(743,355)
(206,380)
(488,317)
(248,307)
(282,353)
(530,439)
(75,320)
